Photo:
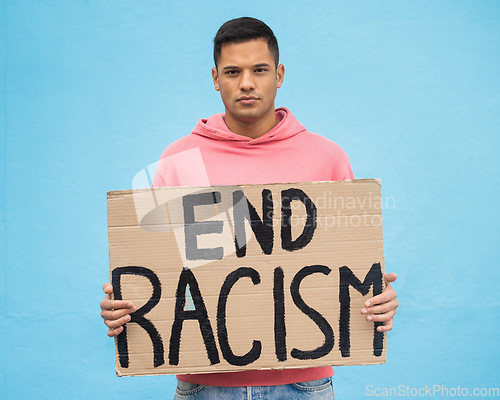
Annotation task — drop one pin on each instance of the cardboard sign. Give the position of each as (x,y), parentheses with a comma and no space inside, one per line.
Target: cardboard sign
(247,277)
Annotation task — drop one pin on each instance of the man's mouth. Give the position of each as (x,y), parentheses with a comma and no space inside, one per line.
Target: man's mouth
(247,99)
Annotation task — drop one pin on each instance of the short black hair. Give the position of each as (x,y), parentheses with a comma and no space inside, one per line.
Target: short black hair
(242,30)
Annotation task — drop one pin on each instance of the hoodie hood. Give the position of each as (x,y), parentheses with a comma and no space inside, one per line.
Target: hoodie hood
(215,128)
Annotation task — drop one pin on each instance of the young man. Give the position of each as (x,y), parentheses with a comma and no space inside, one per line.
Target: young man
(253,143)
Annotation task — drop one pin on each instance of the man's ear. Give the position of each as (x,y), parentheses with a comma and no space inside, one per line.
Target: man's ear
(280,74)
(215,77)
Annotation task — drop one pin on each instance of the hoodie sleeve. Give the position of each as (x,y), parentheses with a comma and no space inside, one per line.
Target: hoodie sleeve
(348,171)
(340,165)
(182,164)
(159,179)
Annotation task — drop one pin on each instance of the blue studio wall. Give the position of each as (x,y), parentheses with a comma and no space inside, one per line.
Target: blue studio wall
(93,91)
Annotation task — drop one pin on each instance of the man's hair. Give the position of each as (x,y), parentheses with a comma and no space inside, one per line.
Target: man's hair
(242,30)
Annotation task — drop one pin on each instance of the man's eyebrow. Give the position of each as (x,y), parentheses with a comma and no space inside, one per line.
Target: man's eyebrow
(260,65)
(230,67)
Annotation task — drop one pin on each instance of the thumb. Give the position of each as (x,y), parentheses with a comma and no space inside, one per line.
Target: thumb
(391,277)
(107,288)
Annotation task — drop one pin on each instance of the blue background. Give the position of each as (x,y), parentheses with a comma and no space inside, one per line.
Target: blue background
(93,91)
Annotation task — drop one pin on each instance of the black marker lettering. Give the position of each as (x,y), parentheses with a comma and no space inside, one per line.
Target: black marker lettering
(227,353)
(322,323)
(192,229)
(138,316)
(279,315)
(199,313)
(347,277)
(286,213)
(262,228)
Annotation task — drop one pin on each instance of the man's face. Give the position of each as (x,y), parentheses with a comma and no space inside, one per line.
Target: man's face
(247,80)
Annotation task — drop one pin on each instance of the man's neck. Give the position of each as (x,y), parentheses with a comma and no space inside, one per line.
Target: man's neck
(254,129)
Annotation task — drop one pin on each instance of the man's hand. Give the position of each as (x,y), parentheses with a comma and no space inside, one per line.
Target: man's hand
(115,313)
(383,306)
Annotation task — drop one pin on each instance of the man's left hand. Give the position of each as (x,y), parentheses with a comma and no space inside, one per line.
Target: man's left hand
(382,308)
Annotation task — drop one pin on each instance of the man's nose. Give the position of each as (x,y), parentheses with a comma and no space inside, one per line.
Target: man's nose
(246,82)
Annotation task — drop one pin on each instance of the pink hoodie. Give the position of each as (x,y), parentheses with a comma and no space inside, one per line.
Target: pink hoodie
(213,155)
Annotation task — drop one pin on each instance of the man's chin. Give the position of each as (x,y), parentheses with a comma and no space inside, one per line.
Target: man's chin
(248,117)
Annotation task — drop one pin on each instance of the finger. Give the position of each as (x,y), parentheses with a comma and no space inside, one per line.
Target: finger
(383,308)
(116,323)
(386,327)
(387,295)
(107,288)
(115,332)
(115,314)
(108,304)
(381,317)
(390,277)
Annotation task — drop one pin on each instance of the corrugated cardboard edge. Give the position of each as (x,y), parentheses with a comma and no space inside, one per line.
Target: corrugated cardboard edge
(114,194)
(119,374)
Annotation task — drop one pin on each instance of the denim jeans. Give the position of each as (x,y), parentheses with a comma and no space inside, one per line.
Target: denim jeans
(320,389)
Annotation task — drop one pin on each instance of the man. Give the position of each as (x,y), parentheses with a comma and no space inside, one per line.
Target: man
(254,143)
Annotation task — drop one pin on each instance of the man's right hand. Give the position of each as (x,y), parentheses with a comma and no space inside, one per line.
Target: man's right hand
(115,313)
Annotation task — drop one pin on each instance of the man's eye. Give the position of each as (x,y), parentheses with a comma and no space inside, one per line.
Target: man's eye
(231,72)
(261,70)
